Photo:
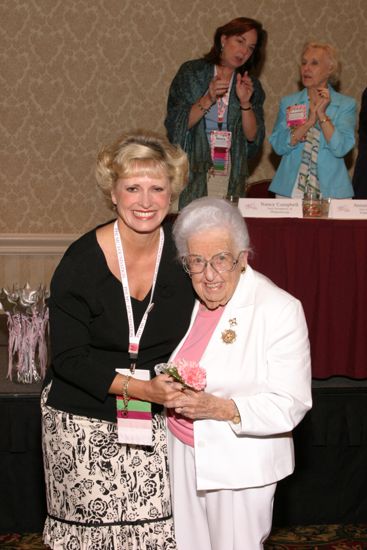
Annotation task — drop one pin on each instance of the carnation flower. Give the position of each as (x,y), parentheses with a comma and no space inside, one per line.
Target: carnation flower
(189,373)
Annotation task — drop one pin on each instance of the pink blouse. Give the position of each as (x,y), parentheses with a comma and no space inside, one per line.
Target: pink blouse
(192,350)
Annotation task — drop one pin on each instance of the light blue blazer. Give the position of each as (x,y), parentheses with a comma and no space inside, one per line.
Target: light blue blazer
(332,173)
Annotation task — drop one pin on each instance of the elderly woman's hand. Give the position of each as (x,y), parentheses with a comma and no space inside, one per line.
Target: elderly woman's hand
(201,405)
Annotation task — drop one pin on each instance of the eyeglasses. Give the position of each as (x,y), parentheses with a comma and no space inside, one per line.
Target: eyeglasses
(222,262)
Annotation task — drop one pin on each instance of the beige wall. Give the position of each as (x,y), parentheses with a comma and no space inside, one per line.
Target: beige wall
(75,72)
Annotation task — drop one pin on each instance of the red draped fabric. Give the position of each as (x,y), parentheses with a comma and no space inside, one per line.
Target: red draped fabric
(324,264)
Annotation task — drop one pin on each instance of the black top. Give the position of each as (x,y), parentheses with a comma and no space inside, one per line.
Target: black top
(89,327)
(360,169)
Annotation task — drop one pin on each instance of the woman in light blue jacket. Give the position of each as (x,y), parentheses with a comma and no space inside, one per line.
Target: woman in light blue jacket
(314,131)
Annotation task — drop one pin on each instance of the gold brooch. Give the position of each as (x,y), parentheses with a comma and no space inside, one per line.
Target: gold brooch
(229,335)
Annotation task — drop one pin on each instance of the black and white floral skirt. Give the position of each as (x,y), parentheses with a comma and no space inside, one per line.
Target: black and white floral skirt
(102,495)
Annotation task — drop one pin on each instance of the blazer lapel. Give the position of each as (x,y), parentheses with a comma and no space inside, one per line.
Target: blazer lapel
(334,104)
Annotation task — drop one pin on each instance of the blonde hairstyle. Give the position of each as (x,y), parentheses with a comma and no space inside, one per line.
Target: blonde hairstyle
(141,152)
(333,55)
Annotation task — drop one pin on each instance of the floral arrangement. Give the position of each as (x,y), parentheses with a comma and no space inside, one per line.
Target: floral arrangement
(189,373)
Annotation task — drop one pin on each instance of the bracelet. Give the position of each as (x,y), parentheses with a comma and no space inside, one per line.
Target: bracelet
(236,419)
(292,129)
(246,108)
(326,119)
(205,111)
(125,395)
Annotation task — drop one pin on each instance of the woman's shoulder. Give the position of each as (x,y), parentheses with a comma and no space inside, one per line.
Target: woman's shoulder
(196,66)
(340,98)
(268,293)
(197,63)
(81,259)
(172,271)
(86,244)
(169,242)
(81,248)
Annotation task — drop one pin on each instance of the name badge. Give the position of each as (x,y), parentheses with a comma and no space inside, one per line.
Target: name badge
(134,423)
(296,115)
(220,145)
(271,208)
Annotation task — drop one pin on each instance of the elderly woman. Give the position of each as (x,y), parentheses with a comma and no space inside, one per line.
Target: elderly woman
(113,298)
(230,444)
(215,111)
(314,131)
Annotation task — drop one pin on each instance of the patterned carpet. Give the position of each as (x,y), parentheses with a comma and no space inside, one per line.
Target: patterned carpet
(312,537)
(319,537)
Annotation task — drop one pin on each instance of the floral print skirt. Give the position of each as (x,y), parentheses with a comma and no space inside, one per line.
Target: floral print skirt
(102,495)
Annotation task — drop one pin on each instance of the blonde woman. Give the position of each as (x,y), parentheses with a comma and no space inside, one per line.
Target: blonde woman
(114,297)
(314,130)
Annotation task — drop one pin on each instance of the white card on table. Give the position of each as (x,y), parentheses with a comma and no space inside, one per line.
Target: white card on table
(271,208)
(348,209)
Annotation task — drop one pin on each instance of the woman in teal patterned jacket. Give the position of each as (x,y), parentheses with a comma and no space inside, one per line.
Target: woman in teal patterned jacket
(201,88)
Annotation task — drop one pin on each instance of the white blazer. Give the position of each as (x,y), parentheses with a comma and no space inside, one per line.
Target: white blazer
(267,372)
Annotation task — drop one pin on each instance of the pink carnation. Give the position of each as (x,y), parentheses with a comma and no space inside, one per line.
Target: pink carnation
(192,374)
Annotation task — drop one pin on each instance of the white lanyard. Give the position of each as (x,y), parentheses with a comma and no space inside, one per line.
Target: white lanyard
(222,102)
(134,337)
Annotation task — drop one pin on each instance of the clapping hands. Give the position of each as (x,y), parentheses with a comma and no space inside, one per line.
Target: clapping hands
(244,88)
(319,101)
(218,87)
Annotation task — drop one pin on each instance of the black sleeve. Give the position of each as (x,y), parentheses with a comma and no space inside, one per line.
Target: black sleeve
(73,308)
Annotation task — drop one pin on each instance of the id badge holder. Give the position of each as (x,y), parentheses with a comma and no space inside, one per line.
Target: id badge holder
(220,145)
(134,424)
(296,115)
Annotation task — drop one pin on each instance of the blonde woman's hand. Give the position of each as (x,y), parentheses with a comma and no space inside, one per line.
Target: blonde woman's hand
(162,389)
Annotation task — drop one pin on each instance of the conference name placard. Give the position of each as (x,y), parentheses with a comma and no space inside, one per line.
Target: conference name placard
(271,208)
(348,209)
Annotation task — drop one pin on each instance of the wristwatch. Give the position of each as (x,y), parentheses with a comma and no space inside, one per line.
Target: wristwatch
(236,419)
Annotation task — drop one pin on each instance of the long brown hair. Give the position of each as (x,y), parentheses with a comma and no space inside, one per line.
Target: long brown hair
(237,26)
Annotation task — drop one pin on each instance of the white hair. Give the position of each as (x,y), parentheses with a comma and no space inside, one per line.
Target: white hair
(210,213)
(333,55)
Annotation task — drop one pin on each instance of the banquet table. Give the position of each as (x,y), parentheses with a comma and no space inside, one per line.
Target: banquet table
(322,262)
